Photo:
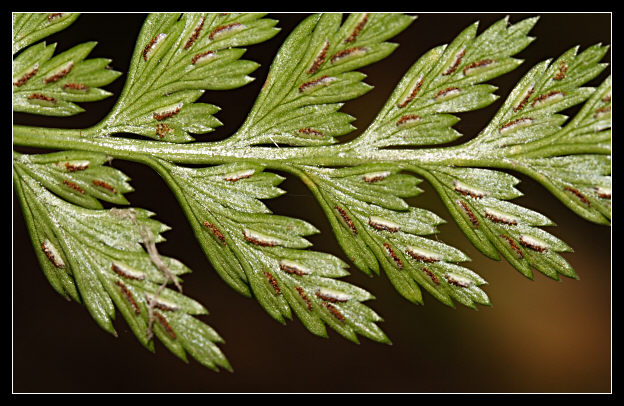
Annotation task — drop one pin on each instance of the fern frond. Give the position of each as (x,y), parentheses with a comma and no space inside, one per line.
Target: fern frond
(29,28)
(526,135)
(313,74)
(263,255)
(95,258)
(581,180)
(530,112)
(476,199)
(375,226)
(107,259)
(447,79)
(177,58)
(51,86)
(77,176)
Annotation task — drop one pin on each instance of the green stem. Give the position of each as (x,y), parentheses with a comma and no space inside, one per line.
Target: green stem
(212,153)
(559,149)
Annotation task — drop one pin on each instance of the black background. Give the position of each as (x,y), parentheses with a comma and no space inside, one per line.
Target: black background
(539,336)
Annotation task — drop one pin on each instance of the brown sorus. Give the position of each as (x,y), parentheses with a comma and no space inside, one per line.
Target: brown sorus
(578,194)
(21,81)
(56,261)
(121,272)
(524,101)
(601,110)
(76,86)
(561,74)
(163,306)
(305,297)
(334,311)
(546,96)
(346,218)
(73,186)
(497,219)
(200,55)
(292,270)
(383,226)
(73,168)
(432,276)
(320,59)
(273,282)
(346,52)
(413,93)
(306,85)
(149,46)
(458,59)
(126,292)
(407,118)
(163,321)
(478,64)
(235,177)
(372,178)
(419,257)
(105,185)
(471,215)
(256,241)
(531,245)
(393,254)
(515,122)
(446,91)
(602,194)
(606,99)
(54,16)
(59,75)
(215,231)
(467,191)
(39,96)
(311,131)
(358,28)
(162,129)
(463,283)
(375,179)
(222,28)
(330,298)
(166,114)
(513,245)
(195,35)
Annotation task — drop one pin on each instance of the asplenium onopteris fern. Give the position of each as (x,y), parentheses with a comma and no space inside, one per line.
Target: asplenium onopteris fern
(93,255)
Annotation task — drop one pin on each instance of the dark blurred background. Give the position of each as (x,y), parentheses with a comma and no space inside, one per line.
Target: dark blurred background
(539,336)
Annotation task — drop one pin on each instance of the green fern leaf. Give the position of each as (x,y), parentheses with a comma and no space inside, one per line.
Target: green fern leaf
(518,138)
(263,254)
(581,181)
(94,257)
(51,86)
(313,73)
(374,226)
(447,79)
(29,28)
(77,176)
(529,113)
(177,58)
(476,200)
(107,259)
